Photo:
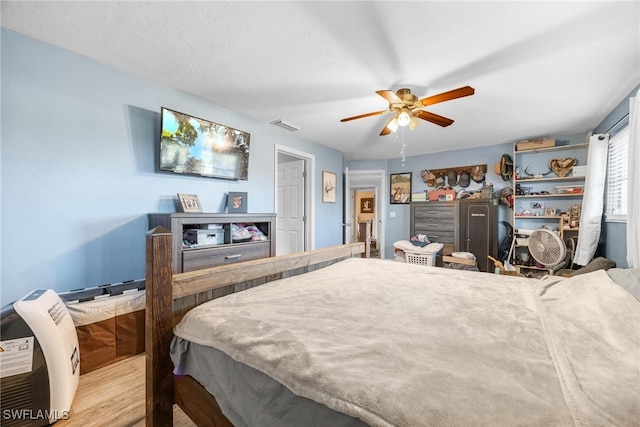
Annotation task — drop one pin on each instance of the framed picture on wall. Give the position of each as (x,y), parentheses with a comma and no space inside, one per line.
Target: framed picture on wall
(329,192)
(400,185)
(366,205)
(237,202)
(190,203)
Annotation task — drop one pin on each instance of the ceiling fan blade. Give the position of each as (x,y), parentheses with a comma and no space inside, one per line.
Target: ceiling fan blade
(433,118)
(446,96)
(362,116)
(391,96)
(386,130)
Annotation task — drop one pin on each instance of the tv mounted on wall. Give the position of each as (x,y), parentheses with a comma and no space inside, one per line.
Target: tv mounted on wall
(194,146)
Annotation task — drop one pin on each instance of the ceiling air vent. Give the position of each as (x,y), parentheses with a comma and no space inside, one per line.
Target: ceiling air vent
(285,125)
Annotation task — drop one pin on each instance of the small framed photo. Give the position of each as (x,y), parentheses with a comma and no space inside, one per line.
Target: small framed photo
(400,185)
(190,203)
(550,212)
(237,202)
(537,205)
(329,191)
(366,205)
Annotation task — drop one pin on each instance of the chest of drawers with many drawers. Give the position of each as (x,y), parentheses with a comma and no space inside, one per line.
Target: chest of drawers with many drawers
(439,221)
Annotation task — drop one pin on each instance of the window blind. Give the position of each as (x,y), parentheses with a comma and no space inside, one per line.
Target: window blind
(617,177)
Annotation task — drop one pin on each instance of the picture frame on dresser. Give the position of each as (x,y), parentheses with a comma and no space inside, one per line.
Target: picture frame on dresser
(237,202)
(190,203)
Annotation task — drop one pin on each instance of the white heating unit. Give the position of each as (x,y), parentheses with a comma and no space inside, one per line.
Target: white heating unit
(39,360)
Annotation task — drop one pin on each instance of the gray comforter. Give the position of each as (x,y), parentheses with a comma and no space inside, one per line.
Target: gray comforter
(397,344)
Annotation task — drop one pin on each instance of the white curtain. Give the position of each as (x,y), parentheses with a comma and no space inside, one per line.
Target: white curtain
(633,187)
(593,200)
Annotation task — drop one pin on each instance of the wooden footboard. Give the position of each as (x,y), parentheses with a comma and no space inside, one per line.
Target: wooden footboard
(169,297)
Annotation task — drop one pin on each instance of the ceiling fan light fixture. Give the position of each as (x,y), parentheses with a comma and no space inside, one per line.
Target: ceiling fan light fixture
(404,118)
(413,123)
(393,124)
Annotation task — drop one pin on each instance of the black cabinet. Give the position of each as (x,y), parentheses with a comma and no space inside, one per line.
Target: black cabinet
(478,231)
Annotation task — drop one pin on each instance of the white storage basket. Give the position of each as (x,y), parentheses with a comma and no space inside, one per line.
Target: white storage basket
(420,259)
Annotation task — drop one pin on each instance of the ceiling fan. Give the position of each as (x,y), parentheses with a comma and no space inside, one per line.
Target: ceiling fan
(407,108)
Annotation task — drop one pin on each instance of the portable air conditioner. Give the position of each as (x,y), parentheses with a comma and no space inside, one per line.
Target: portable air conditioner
(39,361)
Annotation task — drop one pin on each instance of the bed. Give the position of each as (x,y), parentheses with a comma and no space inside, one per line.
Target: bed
(374,342)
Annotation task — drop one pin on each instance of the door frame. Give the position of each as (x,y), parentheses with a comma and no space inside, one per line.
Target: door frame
(376,179)
(309,182)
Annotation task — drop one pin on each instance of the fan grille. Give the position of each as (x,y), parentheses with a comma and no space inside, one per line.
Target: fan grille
(546,247)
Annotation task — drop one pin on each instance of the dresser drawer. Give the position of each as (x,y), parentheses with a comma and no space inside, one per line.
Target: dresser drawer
(223,255)
(438,236)
(437,224)
(422,212)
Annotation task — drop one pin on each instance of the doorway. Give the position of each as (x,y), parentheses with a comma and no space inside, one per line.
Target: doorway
(359,185)
(294,206)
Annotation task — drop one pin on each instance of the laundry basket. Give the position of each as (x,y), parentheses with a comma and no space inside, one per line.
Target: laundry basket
(420,258)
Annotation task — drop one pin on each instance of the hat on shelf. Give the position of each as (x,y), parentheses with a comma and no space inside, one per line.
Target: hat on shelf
(477,174)
(439,180)
(428,177)
(504,167)
(452,178)
(464,179)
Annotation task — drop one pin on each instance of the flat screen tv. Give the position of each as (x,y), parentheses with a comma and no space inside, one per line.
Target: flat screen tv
(194,146)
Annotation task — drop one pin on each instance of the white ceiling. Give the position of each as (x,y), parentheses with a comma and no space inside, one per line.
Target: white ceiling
(538,68)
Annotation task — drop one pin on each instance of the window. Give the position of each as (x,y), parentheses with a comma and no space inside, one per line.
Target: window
(617,177)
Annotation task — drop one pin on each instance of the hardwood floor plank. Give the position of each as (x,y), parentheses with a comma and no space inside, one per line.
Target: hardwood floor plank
(114,396)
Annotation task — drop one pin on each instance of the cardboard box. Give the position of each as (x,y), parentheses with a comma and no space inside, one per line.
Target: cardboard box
(442,195)
(110,326)
(457,260)
(535,145)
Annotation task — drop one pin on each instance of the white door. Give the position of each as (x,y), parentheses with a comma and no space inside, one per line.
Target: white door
(290,214)
(347,224)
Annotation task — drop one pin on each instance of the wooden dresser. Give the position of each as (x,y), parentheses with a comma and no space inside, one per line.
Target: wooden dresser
(439,221)
(189,256)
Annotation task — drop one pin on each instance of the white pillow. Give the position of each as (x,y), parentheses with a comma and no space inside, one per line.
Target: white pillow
(465,255)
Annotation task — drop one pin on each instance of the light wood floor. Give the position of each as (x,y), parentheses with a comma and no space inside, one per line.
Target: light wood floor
(114,396)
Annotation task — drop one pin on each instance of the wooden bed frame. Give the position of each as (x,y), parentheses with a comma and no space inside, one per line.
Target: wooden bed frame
(169,296)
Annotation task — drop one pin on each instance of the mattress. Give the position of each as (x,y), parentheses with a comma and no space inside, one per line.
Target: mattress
(395,344)
(249,397)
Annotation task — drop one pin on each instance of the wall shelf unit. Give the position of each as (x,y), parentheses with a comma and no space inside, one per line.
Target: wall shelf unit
(545,201)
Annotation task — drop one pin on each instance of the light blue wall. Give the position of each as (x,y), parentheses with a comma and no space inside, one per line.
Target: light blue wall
(79,169)
(615,233)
